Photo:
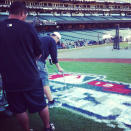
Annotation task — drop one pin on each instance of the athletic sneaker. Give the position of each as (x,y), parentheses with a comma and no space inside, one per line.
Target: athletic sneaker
(54,103)
(52,127)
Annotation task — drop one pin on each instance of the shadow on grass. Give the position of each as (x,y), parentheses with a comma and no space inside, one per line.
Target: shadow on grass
(64,120)
(9,123)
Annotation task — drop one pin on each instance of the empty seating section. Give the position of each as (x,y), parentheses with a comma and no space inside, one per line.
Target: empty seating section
(84,18)
(124,17)
(49,18)
(2,17)
(30,17)
(73,18)
(81,35)
(68,18)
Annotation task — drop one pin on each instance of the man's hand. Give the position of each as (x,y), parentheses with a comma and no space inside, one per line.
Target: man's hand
(60,69)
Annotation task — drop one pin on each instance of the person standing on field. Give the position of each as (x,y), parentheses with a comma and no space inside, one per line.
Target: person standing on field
(19,49)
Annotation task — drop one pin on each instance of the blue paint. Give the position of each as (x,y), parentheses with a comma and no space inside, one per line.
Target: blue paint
(90,98)
(127,104)
(88,78)
(110,117)
(127,125)
(86,86)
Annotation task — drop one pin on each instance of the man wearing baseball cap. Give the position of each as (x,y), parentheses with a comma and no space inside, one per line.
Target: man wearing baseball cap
(49,47)
(19,49)
(57,34)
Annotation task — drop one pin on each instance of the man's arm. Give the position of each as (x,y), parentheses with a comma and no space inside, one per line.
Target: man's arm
(59,67)
(53,54)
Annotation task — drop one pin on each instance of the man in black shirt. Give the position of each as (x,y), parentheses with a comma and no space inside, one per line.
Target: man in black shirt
(49,47)
(19,48)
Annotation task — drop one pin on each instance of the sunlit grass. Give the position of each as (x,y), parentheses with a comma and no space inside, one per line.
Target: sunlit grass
(113,71)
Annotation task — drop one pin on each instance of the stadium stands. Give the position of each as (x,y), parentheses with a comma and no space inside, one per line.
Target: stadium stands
(78,15)
(72,18)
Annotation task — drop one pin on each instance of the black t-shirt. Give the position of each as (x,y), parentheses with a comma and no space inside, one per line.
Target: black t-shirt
(19,48)
(49,47)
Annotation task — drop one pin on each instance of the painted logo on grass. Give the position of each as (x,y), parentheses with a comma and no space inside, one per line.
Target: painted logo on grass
(100,99)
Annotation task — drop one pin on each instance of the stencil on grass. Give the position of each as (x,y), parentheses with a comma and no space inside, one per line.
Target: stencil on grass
(93,95)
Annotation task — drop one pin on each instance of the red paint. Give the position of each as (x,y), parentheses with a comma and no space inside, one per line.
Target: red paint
(52,77)
(106,86)
(78,76)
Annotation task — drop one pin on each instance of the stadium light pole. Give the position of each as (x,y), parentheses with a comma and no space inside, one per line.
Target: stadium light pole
(116,39)
(98,39)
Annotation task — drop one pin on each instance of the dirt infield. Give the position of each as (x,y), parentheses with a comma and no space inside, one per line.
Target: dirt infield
(99,54)
(109,60)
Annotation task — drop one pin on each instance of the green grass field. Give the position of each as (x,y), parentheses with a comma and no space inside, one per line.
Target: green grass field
(113,71)
(66,120)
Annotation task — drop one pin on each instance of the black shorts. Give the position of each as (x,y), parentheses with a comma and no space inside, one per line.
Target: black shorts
(32,100)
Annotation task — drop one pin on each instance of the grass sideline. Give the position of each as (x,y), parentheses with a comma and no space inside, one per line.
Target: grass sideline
(70,121)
